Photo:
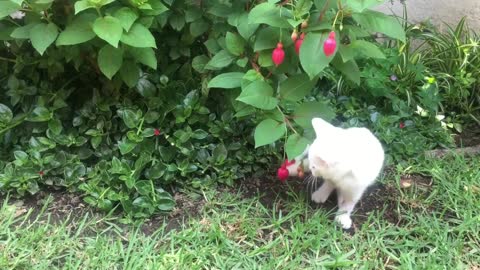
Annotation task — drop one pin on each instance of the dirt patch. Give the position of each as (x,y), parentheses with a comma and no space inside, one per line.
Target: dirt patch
(469,137)
(59,205)
(186,207)
(380,198)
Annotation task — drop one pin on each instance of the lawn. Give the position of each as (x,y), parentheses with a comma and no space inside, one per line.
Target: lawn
(421,216)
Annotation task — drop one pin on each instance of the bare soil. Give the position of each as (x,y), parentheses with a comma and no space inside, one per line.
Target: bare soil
(377,198)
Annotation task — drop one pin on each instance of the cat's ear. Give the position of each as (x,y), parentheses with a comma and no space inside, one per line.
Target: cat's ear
(317,161)
(320,125)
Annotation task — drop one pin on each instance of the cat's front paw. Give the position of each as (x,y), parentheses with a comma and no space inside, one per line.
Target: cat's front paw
(320,196)
(344,220)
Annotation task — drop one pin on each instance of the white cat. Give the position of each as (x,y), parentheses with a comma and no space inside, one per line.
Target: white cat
(349,160)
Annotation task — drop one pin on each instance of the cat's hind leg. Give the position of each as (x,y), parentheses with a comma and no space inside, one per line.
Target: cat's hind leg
(322,194)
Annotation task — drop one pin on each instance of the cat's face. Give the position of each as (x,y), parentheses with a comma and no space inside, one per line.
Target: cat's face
(316,165)
(323,147)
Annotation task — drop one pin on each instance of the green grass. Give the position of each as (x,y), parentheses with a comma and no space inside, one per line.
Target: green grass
(438,228)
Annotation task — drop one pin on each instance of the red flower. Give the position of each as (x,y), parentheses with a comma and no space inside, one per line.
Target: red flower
(41,173)
(298,43)
(401,125)
(282,174)
(330,44)
(156,132)
(278,55)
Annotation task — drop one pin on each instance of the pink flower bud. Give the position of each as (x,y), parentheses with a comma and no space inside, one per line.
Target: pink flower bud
(278,55)
(330,44)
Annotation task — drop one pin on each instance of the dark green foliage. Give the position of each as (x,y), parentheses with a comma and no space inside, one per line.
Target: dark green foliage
(126,101)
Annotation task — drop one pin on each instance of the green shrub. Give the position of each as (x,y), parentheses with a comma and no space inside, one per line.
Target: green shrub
(453,56)
(126,100)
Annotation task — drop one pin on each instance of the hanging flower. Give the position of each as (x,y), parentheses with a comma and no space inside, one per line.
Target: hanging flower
(330,44)
(278,55)
(299,42)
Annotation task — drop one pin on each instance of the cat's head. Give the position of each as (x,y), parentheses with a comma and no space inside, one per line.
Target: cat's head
(322,152)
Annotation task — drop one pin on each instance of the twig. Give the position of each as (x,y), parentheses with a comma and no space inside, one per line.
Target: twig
(472,151)
(324,9)
(8,59)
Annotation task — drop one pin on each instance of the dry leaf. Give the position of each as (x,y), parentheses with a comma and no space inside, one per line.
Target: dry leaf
(405,182)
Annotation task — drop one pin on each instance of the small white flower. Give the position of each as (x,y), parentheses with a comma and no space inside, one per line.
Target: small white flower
(17,15)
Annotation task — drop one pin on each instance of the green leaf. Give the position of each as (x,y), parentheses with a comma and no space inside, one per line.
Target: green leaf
(199,62)
(6,115)
(259,95)
(24,31)
(295,146)
(270,14)
(269,131)
(245,28)
(82,5)
(235,44)
(296,87)
(42,36)
(303,8)
(78,31)
(267,38)
(109,29)
(130,73)
(55,126)
(177,22)
(20,2)
(368,49)
(20,156)
(321,4)
(8,7)
(198,27)
(139,36)
(220,60)
(40,114)
(165,204)
(157,8)
(126,16)
(146,88)
(220,153)
(125,146)
(312,57)
(349,69)
(110,60)
(212,46)
(5,32)
(378,22)
(361,5)
(144,56)
(192,14)
(156,171)
(200,134)
(227,80)
(130,118)
(347,52)
(308,110)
